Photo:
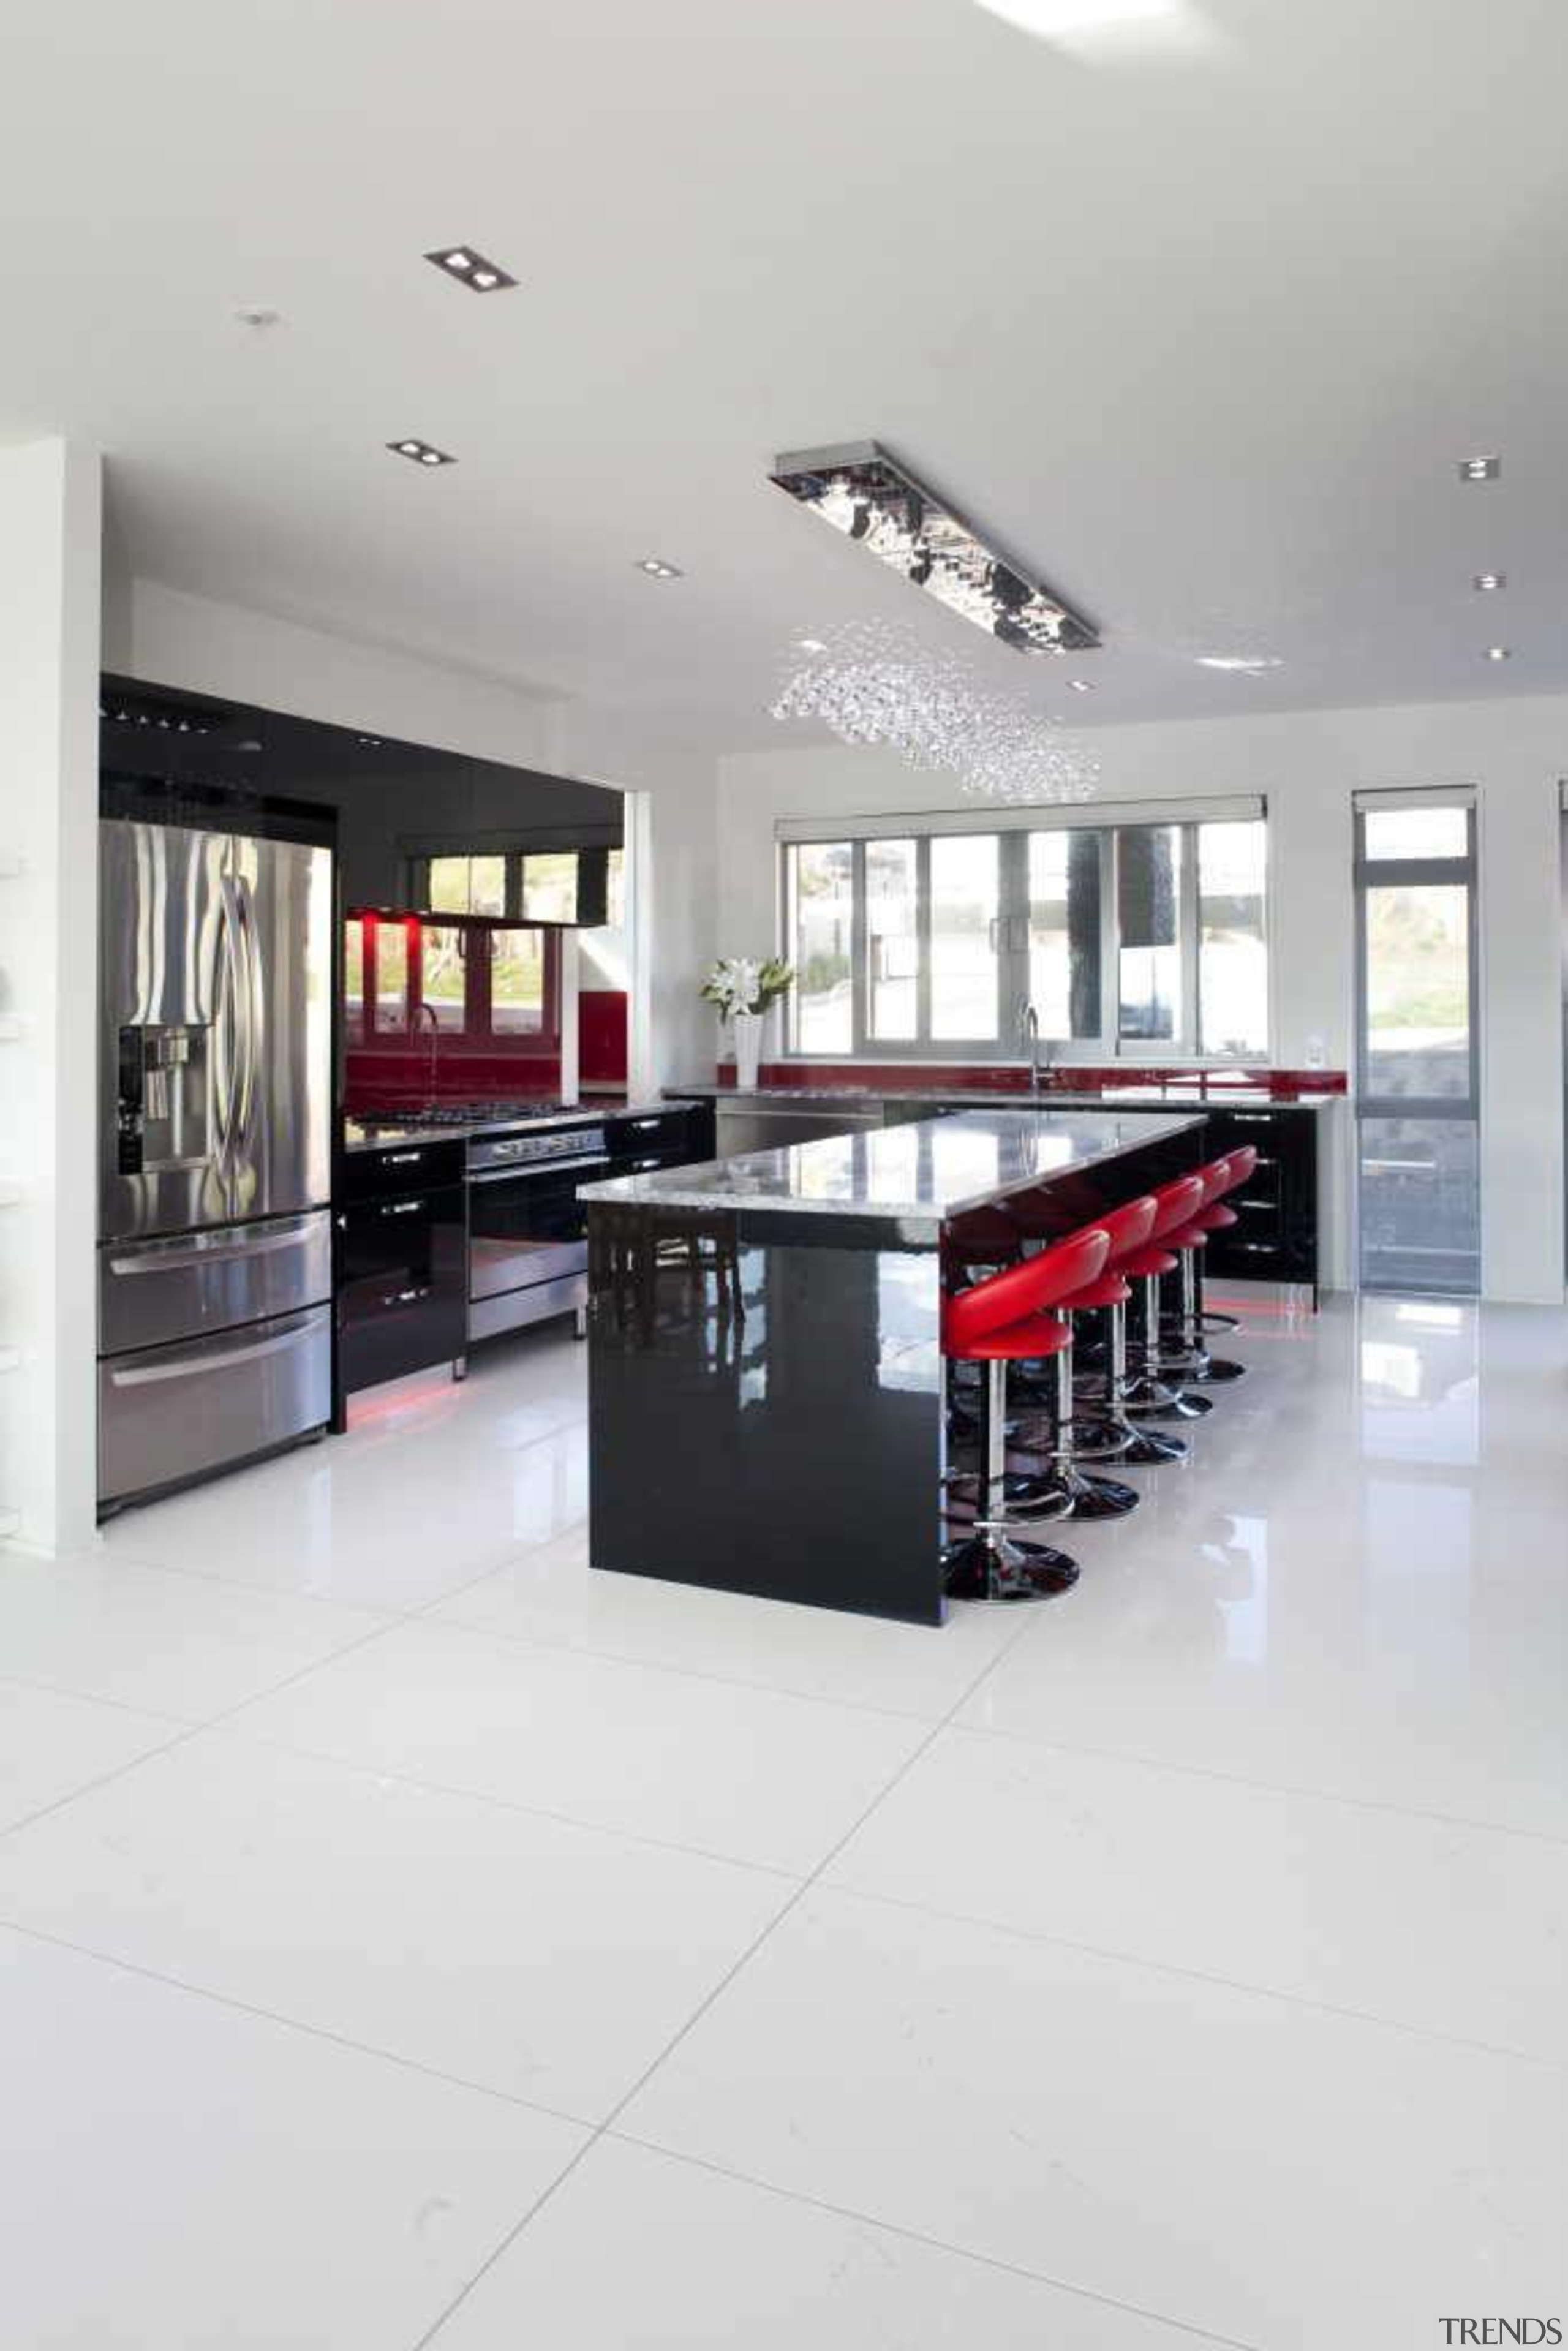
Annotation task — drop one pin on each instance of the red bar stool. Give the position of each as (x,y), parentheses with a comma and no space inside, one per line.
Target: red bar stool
(1148,1396)
(1109,1434)
(1009,1319)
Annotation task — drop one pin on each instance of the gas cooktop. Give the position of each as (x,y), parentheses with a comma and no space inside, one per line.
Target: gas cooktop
(471,1113)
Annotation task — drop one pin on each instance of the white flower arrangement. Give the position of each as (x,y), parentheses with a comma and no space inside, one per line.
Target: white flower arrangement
(742,984)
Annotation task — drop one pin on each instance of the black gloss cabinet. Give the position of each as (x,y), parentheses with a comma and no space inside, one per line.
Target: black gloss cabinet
(1275,1236)
(402,1262)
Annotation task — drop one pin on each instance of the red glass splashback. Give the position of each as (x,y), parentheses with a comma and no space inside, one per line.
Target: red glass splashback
(1075,1077)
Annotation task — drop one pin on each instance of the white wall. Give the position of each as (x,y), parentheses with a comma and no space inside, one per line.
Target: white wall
(172,638)
(50,501)
(1309,764)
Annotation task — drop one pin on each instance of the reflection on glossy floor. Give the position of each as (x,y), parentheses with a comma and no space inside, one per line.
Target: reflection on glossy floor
(407,1936)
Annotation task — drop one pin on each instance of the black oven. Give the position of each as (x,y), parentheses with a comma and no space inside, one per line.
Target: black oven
(528,1249)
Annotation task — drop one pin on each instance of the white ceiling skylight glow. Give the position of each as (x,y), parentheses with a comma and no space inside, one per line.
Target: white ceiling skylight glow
(1103,29)
(1239,665)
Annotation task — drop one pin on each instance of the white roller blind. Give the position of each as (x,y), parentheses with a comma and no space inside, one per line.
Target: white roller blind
(1229,808)
(1396,796)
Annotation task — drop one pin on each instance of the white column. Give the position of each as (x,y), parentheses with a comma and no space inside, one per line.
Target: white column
(1521,915)
(50,534)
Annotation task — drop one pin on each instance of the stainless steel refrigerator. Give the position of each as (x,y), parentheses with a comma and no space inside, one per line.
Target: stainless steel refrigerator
(215,1083)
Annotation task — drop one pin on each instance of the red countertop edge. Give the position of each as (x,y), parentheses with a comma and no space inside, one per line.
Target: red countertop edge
(1078,1077)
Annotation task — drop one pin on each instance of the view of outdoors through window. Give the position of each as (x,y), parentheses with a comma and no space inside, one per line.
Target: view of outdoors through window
(443,973)
(1416,1109)
(822,918)
(516,980)
(391,977)
(1122,937)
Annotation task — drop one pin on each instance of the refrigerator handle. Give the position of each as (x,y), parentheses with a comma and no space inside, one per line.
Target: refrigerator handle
(253,1004)
(226,1026)
(206,1358)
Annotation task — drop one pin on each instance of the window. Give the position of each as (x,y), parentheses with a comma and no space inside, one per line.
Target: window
(573,886)
(354,979)
(1417,1095)
(1232,939)
(467,885)
(549,887)
(1149,973)
(1146,939)
(1064,884)
(965,925)
(517,981)
(391,976)
(821,920)
(443,973)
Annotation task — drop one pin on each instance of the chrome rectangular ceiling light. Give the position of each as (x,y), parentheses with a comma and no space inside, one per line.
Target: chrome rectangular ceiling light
(870,497)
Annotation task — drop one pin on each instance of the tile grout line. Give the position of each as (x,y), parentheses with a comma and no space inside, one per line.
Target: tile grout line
(704,2005)
(920,2237)
(184,1733)
(1034,1937)
(1023,1738)
(235,2006)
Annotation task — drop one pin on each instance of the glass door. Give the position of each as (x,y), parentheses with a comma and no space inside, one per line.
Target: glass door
(1417,1104)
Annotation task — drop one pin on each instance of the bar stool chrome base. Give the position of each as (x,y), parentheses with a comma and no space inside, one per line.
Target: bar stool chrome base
(1150,1399)
(1021,1495)
(1217,1369)
(1139,1448)
(1096,1498)
(988,1566)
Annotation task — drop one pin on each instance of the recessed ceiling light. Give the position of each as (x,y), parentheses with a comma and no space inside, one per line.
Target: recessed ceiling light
(1081,685)
(812,644)
(1500,653)
(1243,664)
(260,316)
(1480,469)
(471,270)
(657,569)
(1486,584)
(423,453)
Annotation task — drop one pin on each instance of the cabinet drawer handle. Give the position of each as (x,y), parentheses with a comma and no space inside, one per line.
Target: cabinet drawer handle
(402,1158)
(405,1297)
(403,1208)
(1251,1117)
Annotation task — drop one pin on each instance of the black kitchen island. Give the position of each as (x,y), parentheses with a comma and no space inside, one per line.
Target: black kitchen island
(764,1373)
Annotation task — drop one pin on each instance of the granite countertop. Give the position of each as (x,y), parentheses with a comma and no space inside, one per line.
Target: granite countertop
(364,1135)
(917,1174)
(1176,1096)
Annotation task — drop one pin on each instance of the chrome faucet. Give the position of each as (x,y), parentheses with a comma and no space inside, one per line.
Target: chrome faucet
(1028,1034)
(431,1096)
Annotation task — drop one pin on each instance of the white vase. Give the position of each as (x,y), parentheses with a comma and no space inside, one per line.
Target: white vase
(747,1049)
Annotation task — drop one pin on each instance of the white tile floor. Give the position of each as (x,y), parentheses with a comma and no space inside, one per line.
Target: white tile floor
(408,1937)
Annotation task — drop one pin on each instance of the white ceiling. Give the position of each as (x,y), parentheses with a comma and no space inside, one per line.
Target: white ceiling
(1198,338)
